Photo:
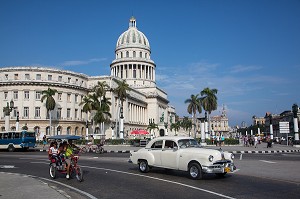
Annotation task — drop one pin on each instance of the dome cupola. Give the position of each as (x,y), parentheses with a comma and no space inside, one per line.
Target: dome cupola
(132,37)
(133,61)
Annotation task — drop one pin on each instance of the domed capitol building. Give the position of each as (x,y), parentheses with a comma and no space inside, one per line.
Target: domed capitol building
(23,85)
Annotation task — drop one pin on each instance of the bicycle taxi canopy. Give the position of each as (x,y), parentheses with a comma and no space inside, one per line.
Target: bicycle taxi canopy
(64,137)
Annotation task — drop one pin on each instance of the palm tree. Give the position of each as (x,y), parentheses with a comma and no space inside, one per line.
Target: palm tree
(103,115)
(152,126)
(194,106)
(102,111)
(121,91)
(187,124)
(50,102)
(175,126)
(209,102)
(101,88)
(87,103)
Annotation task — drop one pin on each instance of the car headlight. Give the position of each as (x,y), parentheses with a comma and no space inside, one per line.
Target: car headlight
(232,156)
(211,158)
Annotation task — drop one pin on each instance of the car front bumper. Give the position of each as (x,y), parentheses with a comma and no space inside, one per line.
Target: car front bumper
(219,168)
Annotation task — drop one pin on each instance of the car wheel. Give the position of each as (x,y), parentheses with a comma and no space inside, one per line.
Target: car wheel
(195,171)
(221,175)
(143,166)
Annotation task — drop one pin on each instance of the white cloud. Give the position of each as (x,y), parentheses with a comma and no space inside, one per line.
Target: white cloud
(82,62)
(242,68)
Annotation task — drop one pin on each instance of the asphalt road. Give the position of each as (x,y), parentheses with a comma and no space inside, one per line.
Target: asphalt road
(111,176)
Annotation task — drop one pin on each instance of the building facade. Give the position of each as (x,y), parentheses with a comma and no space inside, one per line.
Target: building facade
(145,102)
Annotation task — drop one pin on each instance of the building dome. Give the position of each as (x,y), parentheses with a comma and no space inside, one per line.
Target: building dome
(132,37)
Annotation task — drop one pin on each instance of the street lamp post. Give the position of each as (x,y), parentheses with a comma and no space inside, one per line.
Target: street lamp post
(86,130)
(112,131)
(17,121)
(121,123)
(202,129)
(271,126)
(295,119)
(206,126)
(151,121)
(7,110)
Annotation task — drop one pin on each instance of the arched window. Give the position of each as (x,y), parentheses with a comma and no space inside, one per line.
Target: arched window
(134,54)
(69,130)
(58,130)
(76,130)
(47,130)
(127,54)
(141,54)
(121,54)
(146,55)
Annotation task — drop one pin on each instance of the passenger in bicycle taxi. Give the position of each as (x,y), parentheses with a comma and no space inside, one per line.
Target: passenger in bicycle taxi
(54,152)
(69,150)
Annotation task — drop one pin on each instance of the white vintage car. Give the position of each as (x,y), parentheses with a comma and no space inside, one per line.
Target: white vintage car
(182,153)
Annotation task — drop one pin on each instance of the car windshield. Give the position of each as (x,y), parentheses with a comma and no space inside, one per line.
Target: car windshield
(186,143)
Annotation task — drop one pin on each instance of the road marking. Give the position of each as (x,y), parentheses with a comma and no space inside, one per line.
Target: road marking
(267,161)
(140,175)
(154,178)
(7,166)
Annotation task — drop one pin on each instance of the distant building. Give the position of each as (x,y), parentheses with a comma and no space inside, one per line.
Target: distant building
(285,116)
(219,123)
(258,120)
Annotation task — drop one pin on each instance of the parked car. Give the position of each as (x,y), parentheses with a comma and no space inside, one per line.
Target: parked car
(182,153)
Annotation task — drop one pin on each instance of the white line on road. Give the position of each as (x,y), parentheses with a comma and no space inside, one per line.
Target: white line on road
(169,181)
(267,161)
(134,174)
(7,166)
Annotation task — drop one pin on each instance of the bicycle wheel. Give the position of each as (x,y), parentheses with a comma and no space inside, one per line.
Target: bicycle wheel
(79,174)
(84,150)
(52,171)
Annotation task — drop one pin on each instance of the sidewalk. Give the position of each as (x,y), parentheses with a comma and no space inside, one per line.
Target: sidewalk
(23,187)
(236,149)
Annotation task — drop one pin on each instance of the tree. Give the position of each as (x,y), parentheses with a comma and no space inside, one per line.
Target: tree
(194,106)
(152,126)
(101,88)
(87,103)
(175,126)
(102,114)
(209,101)
(121,91)
(187,124)
(50,102)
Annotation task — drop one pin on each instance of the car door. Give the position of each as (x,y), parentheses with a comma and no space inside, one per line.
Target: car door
(169,155)
(156,150)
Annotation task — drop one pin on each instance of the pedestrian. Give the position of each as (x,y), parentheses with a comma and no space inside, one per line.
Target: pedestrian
(44,141)
(222,140)
(269,142)
(255,141)
(217,140)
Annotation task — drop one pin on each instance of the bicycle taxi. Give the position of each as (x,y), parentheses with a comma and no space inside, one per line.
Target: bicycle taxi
(55,168)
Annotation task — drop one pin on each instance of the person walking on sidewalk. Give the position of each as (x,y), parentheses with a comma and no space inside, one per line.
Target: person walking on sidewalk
(255,141)
(269,142)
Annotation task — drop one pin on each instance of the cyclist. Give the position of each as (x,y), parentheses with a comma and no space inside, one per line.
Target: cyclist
(69,148)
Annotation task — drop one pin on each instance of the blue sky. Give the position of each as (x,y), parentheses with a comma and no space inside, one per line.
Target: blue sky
(249,50)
